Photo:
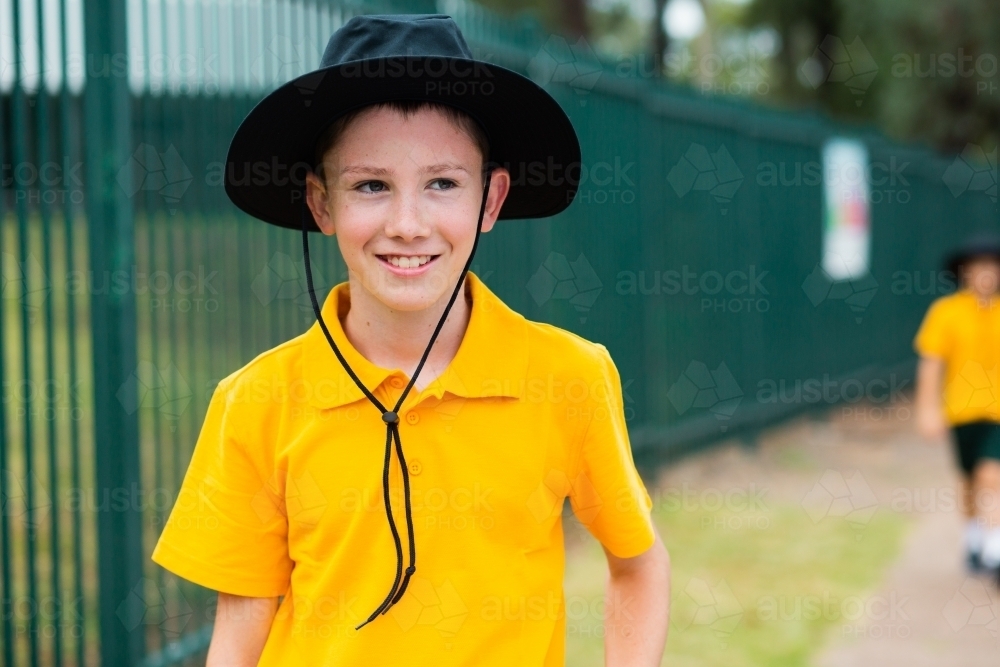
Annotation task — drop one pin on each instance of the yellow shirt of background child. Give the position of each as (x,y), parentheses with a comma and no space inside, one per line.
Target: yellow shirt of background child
(966,335)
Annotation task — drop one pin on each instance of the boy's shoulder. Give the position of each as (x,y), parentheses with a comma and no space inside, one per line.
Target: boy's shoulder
(554,349)
(269,375)
(950,303)
(546,335)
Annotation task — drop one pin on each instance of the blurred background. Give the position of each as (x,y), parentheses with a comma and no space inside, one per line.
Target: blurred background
(767,193)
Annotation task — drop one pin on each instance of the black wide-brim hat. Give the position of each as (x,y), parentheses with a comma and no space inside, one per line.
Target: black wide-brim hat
(986,243)
(379,58)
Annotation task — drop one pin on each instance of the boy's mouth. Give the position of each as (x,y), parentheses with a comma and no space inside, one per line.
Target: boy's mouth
(407,261)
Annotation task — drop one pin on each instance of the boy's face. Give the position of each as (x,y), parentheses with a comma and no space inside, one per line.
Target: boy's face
(982,274)
(403,198)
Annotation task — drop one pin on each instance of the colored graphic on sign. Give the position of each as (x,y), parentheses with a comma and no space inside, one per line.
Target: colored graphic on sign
(846,209)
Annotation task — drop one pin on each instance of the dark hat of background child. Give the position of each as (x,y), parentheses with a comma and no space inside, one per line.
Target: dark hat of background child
(978,244)
(378,58)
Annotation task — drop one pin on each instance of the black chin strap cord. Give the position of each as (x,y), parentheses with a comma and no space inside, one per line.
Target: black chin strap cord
(391,417)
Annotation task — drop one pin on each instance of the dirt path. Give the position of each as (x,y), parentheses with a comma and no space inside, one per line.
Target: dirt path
(952,618)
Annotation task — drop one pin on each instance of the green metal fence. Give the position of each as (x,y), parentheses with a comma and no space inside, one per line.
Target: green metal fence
(131,285)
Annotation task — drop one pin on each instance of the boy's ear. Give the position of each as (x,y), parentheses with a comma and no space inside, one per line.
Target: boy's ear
(499,189)
(316,200)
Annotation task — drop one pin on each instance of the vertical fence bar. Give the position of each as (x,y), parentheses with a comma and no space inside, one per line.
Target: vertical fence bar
(113,330)
(20,156)
(6,592)
(153,447)
(67,131)
(49,419)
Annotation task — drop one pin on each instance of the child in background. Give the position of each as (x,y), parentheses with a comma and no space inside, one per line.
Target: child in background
(957,387)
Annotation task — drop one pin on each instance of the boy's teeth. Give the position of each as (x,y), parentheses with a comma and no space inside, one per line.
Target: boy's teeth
(408,262)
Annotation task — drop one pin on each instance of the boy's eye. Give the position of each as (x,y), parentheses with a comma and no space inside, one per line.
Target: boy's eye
(376,186)
(445,183)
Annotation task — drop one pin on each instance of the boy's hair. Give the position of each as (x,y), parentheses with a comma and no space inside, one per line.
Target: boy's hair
(460,119)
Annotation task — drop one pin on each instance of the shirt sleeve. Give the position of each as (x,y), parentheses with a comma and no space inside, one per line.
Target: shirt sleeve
(607,495)
(228,530)
(933,339)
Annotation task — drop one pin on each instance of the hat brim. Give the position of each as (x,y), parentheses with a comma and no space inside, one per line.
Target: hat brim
(529,133)
(979,245)
(955,262)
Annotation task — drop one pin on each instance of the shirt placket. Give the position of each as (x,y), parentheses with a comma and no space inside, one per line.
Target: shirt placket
(388,392)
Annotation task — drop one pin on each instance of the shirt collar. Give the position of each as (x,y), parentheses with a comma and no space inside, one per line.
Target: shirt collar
(974,298)
(492,359)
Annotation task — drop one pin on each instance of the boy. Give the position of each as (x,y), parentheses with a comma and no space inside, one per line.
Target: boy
(959,343)
(502,418)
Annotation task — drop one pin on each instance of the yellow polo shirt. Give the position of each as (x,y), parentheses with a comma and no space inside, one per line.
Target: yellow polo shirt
(283,494)
(966,335)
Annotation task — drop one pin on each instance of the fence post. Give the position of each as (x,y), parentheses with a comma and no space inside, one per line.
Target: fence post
(108,123)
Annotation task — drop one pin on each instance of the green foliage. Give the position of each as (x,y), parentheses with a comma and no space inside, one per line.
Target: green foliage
(617,31)
(921,71)
(936,78)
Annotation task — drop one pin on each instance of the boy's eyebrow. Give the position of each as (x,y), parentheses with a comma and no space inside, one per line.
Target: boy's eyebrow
(445,166)
(382,171)
(364,169)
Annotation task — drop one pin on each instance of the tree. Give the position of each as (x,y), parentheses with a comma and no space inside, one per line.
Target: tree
(930,74)
(574,18)
(660,40)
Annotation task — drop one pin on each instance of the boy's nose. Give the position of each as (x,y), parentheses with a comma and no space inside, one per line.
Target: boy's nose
(407,219)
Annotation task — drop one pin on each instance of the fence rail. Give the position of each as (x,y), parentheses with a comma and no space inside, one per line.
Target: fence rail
(131,285)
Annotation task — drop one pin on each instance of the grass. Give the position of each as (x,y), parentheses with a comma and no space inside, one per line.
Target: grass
(749,589)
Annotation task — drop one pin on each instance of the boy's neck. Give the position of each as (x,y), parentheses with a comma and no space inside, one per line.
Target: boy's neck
(397,339)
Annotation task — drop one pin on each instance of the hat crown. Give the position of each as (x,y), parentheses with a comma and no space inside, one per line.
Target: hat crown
(378,58)
(983,239)
(395,35)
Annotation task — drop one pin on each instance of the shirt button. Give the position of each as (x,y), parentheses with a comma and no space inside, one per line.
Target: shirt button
(412,418)
(416,467)
(396,382)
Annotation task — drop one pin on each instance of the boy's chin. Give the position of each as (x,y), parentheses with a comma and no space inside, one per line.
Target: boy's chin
(409,300)
(411,295)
